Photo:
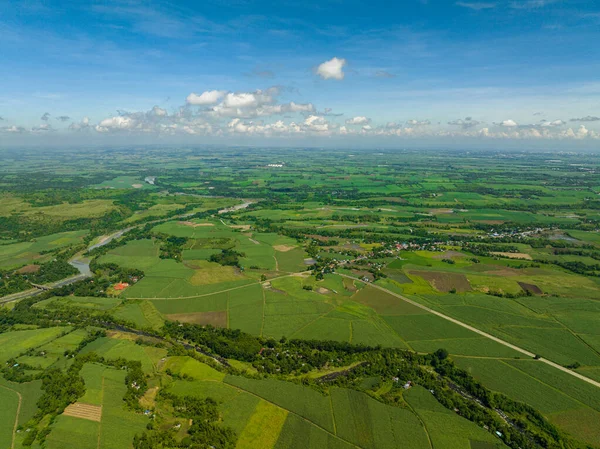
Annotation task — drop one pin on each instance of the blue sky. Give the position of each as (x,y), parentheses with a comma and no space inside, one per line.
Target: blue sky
(418,69)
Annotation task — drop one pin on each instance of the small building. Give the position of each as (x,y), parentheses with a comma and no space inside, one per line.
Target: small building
(121,286)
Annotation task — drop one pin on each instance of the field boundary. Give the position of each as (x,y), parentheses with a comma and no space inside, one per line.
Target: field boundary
(293,413)
(221,291)
(480,332)
(14,432)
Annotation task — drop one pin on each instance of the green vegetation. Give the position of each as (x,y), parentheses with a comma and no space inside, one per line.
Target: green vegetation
(504,242)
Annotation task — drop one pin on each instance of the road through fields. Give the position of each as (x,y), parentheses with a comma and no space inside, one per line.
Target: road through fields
(480,332)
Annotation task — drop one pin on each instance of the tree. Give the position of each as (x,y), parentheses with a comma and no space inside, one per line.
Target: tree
(441,354)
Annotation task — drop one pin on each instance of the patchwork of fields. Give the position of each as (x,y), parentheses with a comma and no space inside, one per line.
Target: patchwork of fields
(292,416)
(506,243)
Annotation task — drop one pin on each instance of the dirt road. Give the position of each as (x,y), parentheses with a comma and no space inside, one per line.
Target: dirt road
(480,332)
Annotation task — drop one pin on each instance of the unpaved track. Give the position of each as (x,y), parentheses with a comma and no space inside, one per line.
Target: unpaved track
(14,433)
(480,332)
(223,291)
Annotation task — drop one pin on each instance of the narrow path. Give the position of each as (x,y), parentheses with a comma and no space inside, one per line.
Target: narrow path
(262,324)
(294,413)
(223,291)
(101,409)
(480,332)
(422,423)
(14,432)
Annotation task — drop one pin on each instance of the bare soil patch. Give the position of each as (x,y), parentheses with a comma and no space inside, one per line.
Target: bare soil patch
(363,274)
(194,225)
(242,227)
(445,282)
(149,398)
(504,272)
(530,288)
(84,411)
(323,291)
(217,319)
(283,248)
(441,211)
(349,285)
(449,255)
(137,186)
(29,269)
(513,255)
(393,199)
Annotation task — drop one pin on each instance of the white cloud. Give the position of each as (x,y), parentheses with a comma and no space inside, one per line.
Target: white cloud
(158,112)
(360,120)
(115,123)
(205,98)
(13,129)
(477,6)
(467,123)
(531,4)
(414,122)
(83,125)
(554,123)
(332,69)
(507,123)
(241,100)
(295,107)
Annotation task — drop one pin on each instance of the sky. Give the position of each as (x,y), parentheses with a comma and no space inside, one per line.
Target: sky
(298,72)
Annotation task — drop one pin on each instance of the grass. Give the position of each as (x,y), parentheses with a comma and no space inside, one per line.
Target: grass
(140,254)
(21,253)
(370,424)
(581,423)
(111,348)
(325,329)
(212,273)
(300,434)
(477,346)
(375,332)
(13,343)
(385,304)
(8,415)
(445,428)
(204,304)
(92,375)
(263,428)
(30,393)
(52,353)
(499,375)
(237,406)
(80,302)
(119,425)
(558,345)
(124,182)
(76,433)
(426,327)
(192,368)
(565,383)
(302,401)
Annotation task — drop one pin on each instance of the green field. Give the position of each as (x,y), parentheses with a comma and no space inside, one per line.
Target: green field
(503,241)
(14,343)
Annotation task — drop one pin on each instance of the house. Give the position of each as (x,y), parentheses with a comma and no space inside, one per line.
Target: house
(121,286)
